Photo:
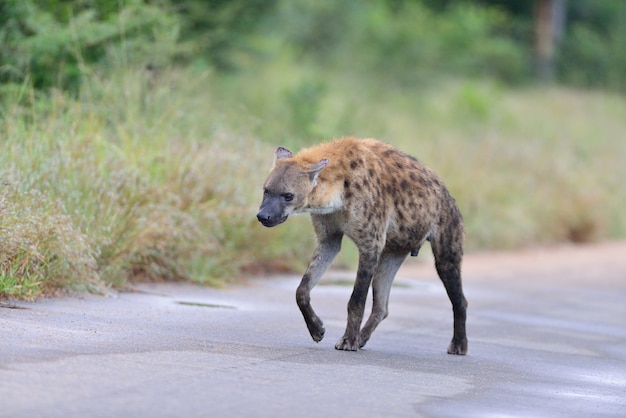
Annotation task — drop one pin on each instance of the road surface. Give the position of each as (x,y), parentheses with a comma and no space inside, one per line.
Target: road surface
(546,328)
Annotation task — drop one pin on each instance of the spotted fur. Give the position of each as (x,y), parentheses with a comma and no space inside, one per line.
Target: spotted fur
(388,203)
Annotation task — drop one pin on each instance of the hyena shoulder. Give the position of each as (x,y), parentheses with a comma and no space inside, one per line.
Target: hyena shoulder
(352,158)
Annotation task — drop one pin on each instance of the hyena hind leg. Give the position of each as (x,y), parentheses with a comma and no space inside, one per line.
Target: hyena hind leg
(448,256)
(384,274)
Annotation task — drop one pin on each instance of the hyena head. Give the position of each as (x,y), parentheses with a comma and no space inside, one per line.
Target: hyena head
(287,188)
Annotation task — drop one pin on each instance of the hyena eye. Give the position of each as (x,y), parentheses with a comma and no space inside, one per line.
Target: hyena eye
(288,197)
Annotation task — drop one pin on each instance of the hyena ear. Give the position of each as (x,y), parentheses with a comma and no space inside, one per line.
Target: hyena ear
(283,153)
(315,170)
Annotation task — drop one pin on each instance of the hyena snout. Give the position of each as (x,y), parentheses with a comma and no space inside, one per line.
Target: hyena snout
(270,217)
(266,219)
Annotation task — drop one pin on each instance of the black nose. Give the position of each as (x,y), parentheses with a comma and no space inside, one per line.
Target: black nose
(263,218)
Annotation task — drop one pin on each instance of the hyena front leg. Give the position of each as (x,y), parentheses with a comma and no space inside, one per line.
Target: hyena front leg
(381,285)
(356,306)
(324,254)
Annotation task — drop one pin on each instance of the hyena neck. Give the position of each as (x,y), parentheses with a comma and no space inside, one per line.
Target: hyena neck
(323,200)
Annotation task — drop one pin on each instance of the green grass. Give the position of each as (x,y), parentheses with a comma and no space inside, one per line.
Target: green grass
(158,176)
(42,249)
(532,165)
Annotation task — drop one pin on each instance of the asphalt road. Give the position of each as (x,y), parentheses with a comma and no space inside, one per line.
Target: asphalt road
(547,337)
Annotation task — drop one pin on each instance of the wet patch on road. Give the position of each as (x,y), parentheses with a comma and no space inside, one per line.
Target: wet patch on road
(8,305)
(204,304)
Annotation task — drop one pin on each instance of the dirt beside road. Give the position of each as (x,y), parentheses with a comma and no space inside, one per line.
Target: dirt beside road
(599,265)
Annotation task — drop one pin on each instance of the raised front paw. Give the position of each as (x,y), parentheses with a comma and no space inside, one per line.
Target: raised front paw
(316,328)
(348,343)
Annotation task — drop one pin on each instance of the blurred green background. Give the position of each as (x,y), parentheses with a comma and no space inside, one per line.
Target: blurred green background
(136,134)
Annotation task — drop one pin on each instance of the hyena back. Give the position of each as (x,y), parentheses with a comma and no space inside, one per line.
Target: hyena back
(388,204)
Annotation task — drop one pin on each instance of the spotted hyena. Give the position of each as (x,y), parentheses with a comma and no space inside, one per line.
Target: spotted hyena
(384,200)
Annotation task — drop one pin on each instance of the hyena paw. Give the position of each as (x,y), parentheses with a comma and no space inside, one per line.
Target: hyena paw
(317,330)
(348,344)
(458,347)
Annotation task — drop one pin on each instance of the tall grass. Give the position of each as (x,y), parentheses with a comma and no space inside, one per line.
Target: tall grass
(157,175)
(140,186)
(533,165)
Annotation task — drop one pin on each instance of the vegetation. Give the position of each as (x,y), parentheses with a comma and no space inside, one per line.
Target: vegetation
(135,140)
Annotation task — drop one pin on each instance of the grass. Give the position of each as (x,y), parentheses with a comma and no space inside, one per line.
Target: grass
(157,176)
(41,248)
(531,165)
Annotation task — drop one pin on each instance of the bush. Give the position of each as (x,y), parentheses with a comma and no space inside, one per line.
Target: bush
(55,50)
(589,59)
(404,41)
(55,43)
